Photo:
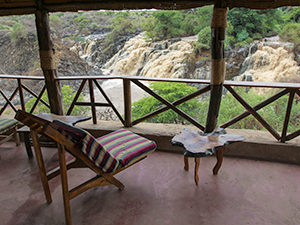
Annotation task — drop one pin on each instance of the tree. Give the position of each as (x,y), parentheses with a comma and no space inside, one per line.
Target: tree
(163,25)
(250,24)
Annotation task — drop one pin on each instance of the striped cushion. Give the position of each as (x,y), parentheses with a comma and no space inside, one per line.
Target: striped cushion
(126,147)
(6,124)
(89,146)
(112,151)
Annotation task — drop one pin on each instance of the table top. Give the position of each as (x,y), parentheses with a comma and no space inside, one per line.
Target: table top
(72,120)
(198,144)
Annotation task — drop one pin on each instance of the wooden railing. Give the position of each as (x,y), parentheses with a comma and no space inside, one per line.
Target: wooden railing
(92,82)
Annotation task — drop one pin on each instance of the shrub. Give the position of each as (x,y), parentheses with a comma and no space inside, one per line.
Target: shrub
(18,32)
(204,38)
(171,92)
(291,33)
(274,113)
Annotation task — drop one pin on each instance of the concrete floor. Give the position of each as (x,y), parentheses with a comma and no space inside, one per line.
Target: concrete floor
(157,191)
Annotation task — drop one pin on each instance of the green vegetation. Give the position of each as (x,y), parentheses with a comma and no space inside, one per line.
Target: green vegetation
(197,108)
(123,24)
(68,96)
(253,24)
(18,31)
(171,92)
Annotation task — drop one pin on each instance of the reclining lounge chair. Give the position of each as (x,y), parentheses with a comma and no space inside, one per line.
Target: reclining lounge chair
(106,156)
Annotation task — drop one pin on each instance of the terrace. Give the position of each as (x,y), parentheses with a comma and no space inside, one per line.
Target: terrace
(158,190)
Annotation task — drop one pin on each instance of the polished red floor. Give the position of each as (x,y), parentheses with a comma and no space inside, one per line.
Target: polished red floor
(157,191)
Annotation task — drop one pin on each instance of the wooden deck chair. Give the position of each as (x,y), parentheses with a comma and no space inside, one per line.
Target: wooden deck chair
(8,130)
(106,156)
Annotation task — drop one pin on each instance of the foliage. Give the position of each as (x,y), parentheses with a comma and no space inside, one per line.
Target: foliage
(4,27)
(291,14)
(248,24)
(167,24)
(164,24)
(18,32)
(291,33)
(122,25)
(55,20)
(171,92)
(197,108)
(204,38)
(82,21)
(68,96)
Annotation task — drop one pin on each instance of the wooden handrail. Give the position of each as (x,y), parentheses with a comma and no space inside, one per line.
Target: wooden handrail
(179,80)
(292,88)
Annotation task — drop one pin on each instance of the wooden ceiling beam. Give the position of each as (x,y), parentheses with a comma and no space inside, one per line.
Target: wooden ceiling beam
(18,7)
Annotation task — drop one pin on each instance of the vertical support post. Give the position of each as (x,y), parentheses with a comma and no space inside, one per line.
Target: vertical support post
(218,27)
(47,59)
(21,95)
(287,116)
(92,99)
(127,102)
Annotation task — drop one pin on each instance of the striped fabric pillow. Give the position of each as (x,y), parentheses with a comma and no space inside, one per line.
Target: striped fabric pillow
(89,146)
(126,147)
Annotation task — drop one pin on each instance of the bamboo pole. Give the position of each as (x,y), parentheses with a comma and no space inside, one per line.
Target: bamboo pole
(218,27)
(47,56)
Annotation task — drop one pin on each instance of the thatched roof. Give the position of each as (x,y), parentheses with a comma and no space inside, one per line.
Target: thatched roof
(17,7)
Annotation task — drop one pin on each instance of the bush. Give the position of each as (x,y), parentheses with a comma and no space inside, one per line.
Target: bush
(171,92)
(122,25)
(291,33)
(68,96)
(18,32)
(274,113)
(163,25)
(204,38)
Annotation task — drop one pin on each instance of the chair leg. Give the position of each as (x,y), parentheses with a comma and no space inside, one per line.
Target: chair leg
(64,182)
(219,155)
(113,181)
(42,169)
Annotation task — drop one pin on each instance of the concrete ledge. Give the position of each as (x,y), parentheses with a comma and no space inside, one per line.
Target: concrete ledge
(258,145)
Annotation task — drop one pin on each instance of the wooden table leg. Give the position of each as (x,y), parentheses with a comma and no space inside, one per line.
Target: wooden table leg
(186,163)
(219,155)
(197,164)
(40,161)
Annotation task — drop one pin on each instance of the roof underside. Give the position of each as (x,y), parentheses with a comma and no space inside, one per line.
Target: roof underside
(18,7)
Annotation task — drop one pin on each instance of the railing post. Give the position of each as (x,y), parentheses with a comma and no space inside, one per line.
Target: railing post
(287,116)
(127,102)
(92,98)
(21,95)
